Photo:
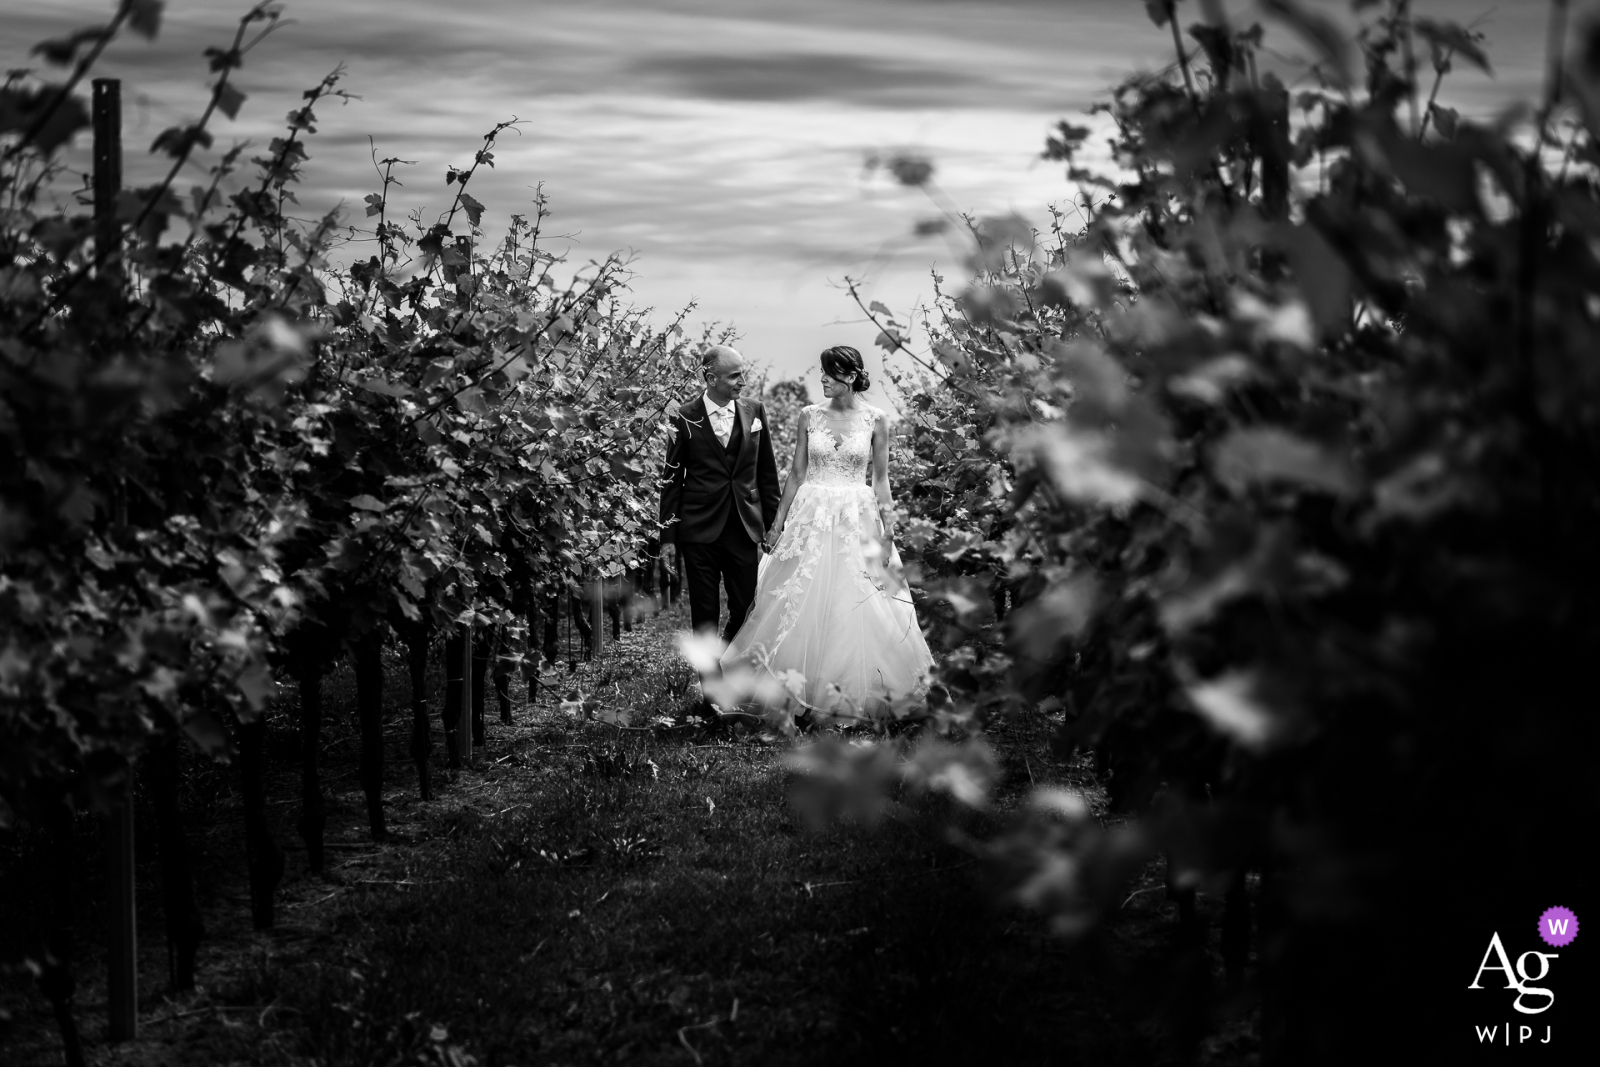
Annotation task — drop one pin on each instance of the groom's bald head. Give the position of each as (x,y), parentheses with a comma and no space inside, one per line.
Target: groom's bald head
(719,358)
(723,369)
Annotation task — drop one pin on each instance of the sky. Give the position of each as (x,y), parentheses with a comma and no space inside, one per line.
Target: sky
(722,143)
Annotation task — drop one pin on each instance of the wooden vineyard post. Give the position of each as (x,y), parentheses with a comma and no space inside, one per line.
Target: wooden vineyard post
(122,951)
(597,611)
(1273,150)
(464,719)
(107,174)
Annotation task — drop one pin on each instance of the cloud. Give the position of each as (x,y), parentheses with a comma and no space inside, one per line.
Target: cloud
(721,139)
(818,76)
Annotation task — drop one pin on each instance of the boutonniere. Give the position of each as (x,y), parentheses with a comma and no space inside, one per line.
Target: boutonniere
(755,425)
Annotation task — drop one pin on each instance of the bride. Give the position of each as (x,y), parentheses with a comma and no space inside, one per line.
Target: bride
(828,602)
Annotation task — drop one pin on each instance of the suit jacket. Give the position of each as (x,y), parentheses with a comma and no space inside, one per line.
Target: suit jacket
(704,481)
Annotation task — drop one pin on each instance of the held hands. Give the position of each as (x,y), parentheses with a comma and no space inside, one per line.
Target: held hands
(773,536)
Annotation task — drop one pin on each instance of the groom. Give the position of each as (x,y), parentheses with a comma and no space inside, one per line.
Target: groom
(720,491)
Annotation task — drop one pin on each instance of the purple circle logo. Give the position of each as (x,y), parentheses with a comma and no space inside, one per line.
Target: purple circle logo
(1558,926)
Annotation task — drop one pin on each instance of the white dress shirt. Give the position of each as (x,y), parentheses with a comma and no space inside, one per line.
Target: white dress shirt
(721,419)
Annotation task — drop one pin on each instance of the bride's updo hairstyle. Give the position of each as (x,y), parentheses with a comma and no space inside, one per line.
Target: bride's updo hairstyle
(841,361)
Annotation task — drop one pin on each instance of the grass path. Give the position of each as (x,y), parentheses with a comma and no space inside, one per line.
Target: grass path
(585,895)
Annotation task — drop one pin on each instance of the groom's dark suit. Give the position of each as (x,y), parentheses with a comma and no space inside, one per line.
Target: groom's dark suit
(716,505)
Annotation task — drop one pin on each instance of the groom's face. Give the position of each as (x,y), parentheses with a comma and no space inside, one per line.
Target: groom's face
(726,376)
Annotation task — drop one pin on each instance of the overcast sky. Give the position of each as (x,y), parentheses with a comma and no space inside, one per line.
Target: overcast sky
(721,141)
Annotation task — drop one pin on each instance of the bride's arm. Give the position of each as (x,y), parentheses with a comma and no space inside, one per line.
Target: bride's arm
(880,473)
(797,474)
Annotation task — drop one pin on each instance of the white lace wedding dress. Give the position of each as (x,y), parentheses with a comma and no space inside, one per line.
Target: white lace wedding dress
(826,605)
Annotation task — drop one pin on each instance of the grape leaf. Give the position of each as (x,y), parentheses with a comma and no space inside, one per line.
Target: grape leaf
(177,141)
(1040,627)
(61,51)
(144,17)
(472,400)
(206,730)
(1325,280)
(1261,455)
(67,119)
(1232,705)
(1159,10)
(229,99)
(79,506)
(256,684)
(952,356)
(1447,37)
(909,170)
(1445,120)
(385,387)
(1442,172)
(1319,31)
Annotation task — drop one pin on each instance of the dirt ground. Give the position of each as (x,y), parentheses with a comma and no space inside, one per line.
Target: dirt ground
(584,894)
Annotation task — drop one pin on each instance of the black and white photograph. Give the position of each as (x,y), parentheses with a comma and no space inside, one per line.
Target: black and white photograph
(1030,533)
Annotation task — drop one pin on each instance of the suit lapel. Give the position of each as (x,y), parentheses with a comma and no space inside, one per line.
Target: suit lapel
(699,420)
(742,416)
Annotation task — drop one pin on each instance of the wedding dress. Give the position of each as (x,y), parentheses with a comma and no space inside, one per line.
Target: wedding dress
(826,604)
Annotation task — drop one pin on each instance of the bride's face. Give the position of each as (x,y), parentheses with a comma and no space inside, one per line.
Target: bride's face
(832,387)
